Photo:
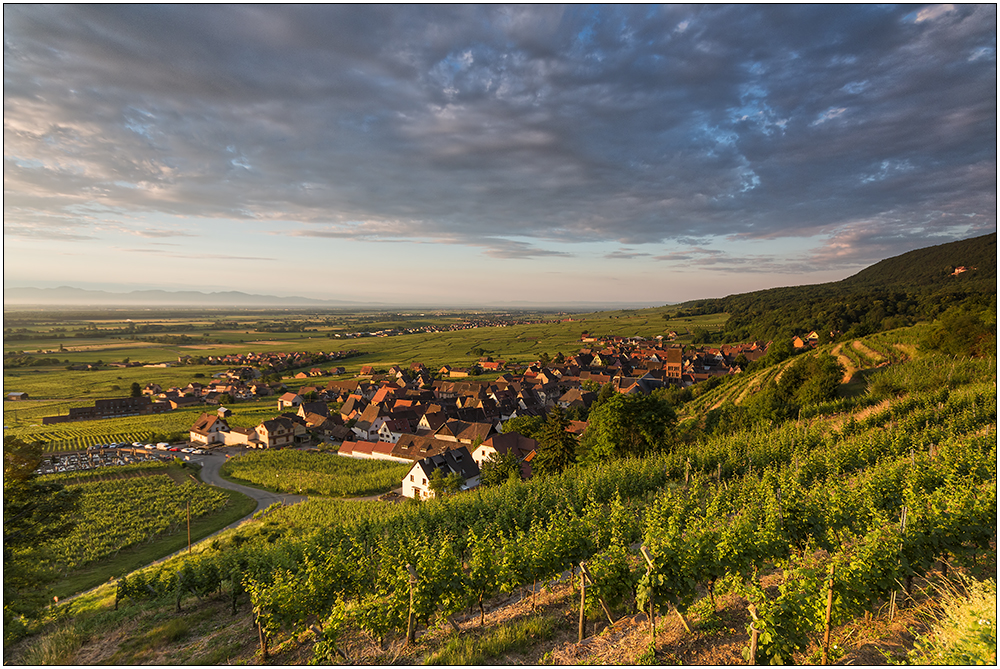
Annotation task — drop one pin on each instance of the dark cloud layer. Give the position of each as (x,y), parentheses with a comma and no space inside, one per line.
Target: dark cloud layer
(473,125)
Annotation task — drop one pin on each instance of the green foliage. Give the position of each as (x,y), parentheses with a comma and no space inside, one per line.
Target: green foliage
(625,425)
(615,579)
(556,446)
(526,426)
(308,473)
(441,484)
(499,468)
(893,293)
(965,332)
(35,514)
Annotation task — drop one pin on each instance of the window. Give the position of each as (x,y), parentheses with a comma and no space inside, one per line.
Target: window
(411,477)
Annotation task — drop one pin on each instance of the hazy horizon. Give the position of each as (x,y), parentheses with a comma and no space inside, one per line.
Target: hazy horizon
(461,155)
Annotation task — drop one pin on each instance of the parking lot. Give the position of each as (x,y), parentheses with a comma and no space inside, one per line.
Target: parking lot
(113,455)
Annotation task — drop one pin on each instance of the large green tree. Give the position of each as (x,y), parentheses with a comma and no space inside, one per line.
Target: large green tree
(526,426)
(497,469)
(556,447)
(628,425)
(34,513)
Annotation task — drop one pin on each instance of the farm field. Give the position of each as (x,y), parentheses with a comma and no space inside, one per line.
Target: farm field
(129,516)
(75,435)
(310,473)
(516,343)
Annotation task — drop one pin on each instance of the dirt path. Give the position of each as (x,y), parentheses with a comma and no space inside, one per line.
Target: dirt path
(849,368)
(867,352)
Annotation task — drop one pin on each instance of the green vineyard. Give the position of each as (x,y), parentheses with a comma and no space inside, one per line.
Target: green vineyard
(816,504)
(315,473)
(115,515)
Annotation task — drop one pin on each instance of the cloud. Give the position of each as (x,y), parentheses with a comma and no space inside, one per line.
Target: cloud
(479,125)
(625,254)
(935,12)
(220,257)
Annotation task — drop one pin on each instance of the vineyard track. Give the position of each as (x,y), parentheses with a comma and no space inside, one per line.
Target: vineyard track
(868,352)
(846,362)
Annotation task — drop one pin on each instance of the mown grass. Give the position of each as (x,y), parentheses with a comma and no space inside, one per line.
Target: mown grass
(489,648)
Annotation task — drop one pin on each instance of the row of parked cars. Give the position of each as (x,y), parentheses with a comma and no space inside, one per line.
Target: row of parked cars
(162,446)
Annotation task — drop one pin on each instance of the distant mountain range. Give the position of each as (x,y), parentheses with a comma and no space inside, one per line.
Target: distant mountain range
(66,296)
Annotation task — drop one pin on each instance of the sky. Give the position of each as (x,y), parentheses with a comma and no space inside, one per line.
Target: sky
(441,155)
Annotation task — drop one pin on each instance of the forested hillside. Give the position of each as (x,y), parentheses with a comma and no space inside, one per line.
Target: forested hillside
(895,292)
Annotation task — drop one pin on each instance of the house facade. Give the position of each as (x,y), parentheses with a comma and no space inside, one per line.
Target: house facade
(459,460)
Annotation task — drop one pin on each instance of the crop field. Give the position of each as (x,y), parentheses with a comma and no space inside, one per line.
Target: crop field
(118,514)
(516,343)
(81,434)
(307,473)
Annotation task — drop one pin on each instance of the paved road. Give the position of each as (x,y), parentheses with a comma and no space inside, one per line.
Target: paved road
(212,462)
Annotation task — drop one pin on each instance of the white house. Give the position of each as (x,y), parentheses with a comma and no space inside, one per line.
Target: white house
(209,429)
(458,460)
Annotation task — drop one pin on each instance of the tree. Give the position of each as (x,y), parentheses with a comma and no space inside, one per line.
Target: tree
(34,513)
(629,425)
(556,446)
(961,331)
(526,426)
(497,469)
(136,389)
(442,484)
(607,392)
(226,398)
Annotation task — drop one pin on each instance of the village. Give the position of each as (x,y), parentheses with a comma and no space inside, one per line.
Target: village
(443,422)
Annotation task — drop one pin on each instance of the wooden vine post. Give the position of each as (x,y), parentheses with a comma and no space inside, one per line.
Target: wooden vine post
(583,606)
(902,531)
(754,635)
(410,629)
(652,611)
(829,615)
(189,525)
(586,572)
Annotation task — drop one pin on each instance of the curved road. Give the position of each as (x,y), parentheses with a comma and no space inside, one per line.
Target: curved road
(212,462)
